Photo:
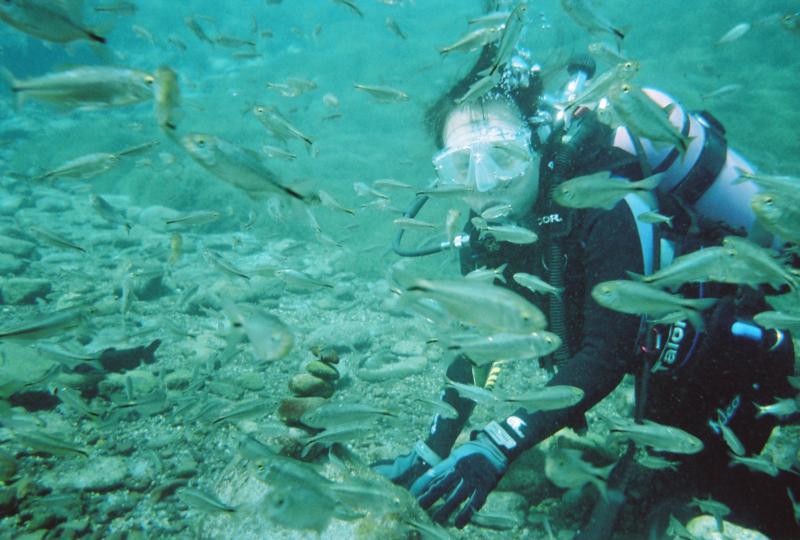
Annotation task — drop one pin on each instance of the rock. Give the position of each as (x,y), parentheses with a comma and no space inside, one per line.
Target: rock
(10,265)
(15,246)
(385,366)
(24,290)
(343,336)
(8,501)
(305,384)
(226,390)
(292,409)
(180,379)
(322,370)
(99,474)
(251,381)
(406,347)
(705,528)
(8,466)
(327,355)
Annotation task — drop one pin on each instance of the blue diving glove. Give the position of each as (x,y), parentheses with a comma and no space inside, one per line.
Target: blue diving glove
(468,476)
(405,469)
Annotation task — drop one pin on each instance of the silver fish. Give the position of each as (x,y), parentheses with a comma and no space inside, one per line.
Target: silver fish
(201,500)
(272,119)
(548,398)
(658,436)
(512,29)
(50,21)
(88,87)
(600,190)
(585,16)
(536,284)
(383,94)
(238,166)
(504,346)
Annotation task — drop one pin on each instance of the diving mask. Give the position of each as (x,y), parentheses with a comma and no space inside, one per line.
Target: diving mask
(491,161)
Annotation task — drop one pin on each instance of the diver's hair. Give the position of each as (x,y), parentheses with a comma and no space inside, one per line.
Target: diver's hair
(436,115)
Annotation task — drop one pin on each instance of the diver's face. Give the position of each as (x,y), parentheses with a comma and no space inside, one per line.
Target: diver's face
(487,150)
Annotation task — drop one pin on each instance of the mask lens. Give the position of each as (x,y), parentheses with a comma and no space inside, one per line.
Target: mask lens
(484,164)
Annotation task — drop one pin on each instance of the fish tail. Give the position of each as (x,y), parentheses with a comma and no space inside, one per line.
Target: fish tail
(13,84)
(619,33)
(95,37)
(636,277)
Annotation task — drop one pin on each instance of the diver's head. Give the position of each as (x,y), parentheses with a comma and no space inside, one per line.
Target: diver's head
(486,148)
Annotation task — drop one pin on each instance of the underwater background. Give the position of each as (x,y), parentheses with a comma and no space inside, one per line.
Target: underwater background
(148,280)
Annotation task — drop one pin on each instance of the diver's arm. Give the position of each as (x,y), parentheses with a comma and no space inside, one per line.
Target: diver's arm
(612,247)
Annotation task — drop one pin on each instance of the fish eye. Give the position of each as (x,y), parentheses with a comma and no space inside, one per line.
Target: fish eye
(626,88)
(200,142)
(149,79)
(259,109)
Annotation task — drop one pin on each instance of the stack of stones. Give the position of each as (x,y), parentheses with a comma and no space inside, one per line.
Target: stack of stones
(311,388)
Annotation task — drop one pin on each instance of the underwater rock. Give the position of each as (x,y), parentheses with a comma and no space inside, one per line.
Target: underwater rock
(15,246)
(292,409)
(406,347)
(385,366)
(705,528)
(24,290)
(322,370)
(345,335)
(8,466)
(10,265)
(305,384)
(99,474)
(180,379)
(327,355)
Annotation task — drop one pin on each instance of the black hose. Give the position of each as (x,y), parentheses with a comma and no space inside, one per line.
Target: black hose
(412,212)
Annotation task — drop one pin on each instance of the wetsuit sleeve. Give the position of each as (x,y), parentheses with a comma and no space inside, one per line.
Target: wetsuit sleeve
(611,246)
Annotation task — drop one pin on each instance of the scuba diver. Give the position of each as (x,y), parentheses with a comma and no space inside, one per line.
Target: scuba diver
(511,148)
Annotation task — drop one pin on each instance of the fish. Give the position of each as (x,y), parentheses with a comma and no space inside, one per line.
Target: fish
(477,394)
(645,118)
(725,90)
(505,346)
(565,468)
(447,191)
(779,214)
(87,87)
(501,309)
(223,265)
(270,337)
(640,298)
(240,167)
(272,119)
(600,190)
(657,436)
(654,218)
(293,86)
(474,40)
(756,464)
(513,234)
(760,262)
(295,278)
(197,30)
(58,22)
(512,29)
(496,211)
(351,5)
(451,229)
(779,320)
(44,442)
(479,88)
(585,16)
(200,500)
(782,408)
(166,97)
(548,398)
(383,94)
(734,33)
(339,433)
(175,248)
(731,439)
(233,42)
(488,275)
(253,408)
(43,326)
(194,218)
(602,84)
(795,506)
(331,415)
(536,284)
(499,520)
(276,152)
(391,183)
(780,184)
(54,239)
(606,52)
(712,507)
(118,8)
(108,212)
(413,223)
(393,27)
(439,407)
(83,167)
(327,200)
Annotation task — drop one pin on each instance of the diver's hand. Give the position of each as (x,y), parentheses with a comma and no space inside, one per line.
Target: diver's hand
(468,476)
(405,469)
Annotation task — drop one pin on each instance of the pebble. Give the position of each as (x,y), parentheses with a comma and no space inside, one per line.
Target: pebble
(293,408)
(15,246)
(24,290)
(10,265)
(383,367)
(322,370)
(251,381)
(180,379)
(99,474)
(226,390)
(406,347)
(305,384)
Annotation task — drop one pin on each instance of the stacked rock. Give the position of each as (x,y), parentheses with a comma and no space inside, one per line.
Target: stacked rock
(311,388)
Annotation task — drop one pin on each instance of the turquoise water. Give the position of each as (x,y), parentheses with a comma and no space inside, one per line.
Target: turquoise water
(359,140)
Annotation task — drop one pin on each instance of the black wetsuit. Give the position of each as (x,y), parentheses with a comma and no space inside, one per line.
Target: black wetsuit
(602,346)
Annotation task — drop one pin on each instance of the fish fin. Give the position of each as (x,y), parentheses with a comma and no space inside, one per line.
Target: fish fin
(636,277)
(649,183)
